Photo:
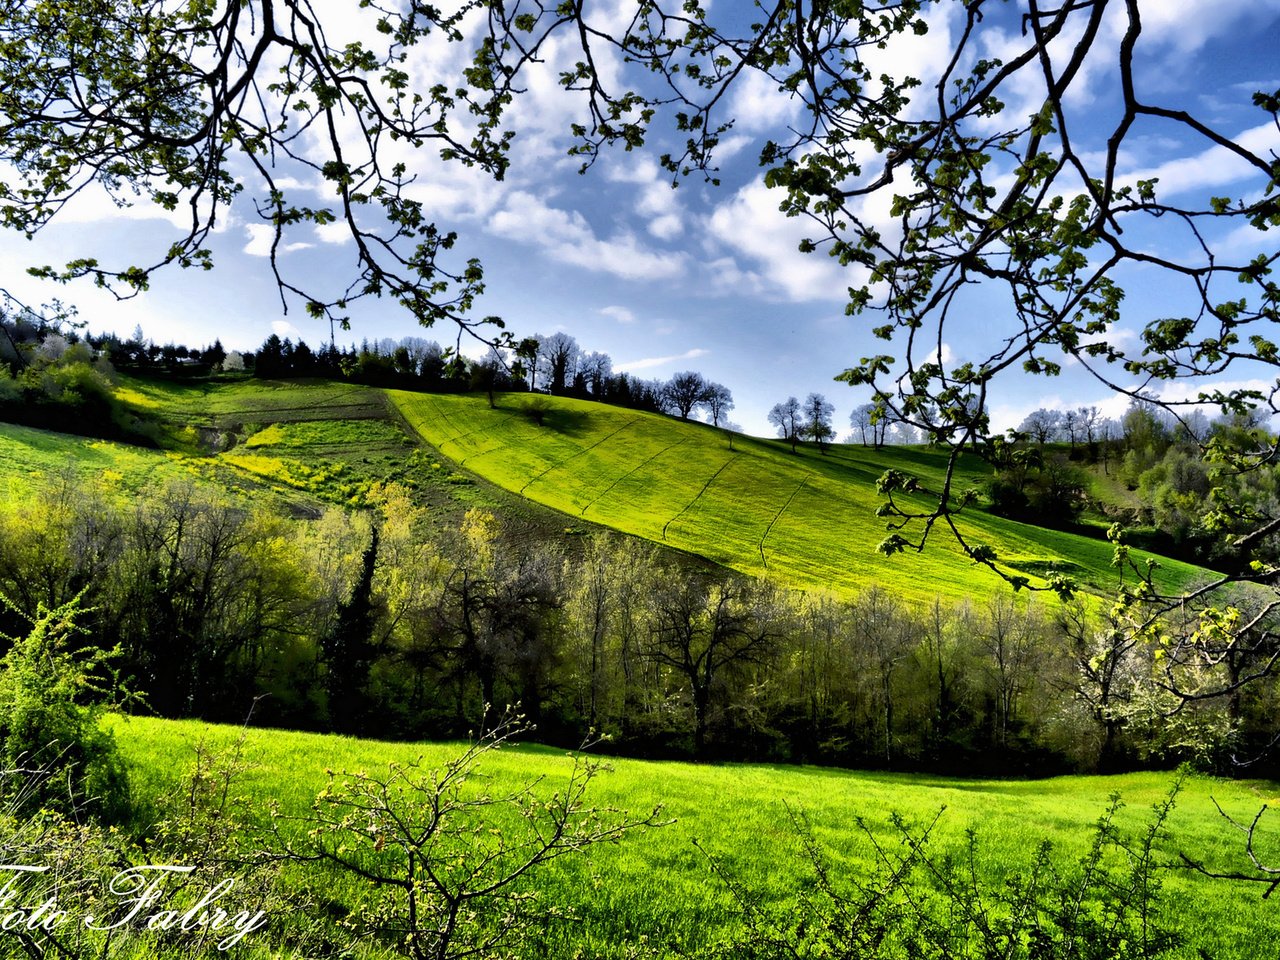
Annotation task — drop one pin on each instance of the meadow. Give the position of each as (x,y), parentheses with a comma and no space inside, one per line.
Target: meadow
(807,519)
(657,885)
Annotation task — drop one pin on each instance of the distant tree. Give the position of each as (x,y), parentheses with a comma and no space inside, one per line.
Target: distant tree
(1071,426)
(432,365)
(270,361)
(787,417)
(685,391)
(703,630)
(234,361)
(718,401)
(1042,425)
(526,359)
(1088,419)
(862,419)
(557,361)
(490,374)
(817,420)
(215,356)
(596,369)
(304,361)
(419,349)
(898,431)
(349,649)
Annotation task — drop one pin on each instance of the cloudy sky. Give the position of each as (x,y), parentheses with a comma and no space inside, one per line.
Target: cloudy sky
(700,277)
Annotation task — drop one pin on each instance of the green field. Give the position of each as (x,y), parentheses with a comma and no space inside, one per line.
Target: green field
(807,519)
(657,884)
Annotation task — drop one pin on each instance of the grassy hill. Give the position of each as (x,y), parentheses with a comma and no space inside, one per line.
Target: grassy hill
(658,885)
(806,518)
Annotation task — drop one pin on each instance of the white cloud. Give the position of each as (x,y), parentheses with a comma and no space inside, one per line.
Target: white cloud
(751,224)
(1187,25)
(620,314)
(1215,167)
(283,328)
(566,236)
(261,236)
(656,199)
(759,105)
(648,363)
(337,232)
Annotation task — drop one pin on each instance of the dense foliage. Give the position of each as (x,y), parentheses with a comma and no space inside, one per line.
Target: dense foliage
(411,632)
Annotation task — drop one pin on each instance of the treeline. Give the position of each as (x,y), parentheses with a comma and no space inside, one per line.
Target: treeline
(1187,499)
(380,623)
(553,364)
(34,352)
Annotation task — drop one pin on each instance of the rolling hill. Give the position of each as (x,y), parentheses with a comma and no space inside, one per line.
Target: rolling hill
(805,519)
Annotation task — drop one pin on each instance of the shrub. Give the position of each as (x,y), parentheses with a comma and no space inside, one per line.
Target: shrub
(48,728)
(440,862)
(921,904)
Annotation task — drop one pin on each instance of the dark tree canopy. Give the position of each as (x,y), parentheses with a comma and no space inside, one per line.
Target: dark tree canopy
(685,391)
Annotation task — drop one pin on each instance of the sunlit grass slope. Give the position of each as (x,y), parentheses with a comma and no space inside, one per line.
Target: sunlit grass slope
(287,445)
(31,459)
(657,884)
(807,518)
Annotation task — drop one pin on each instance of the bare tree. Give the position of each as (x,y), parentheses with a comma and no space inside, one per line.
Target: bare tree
(557,361)
(701,631)
(816,423)
(787,417)
(596,369)
(442,854)
(869,426)
(684,391)
(1042,425)
(718,401)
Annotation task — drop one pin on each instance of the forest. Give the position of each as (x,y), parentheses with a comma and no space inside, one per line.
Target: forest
(387,621)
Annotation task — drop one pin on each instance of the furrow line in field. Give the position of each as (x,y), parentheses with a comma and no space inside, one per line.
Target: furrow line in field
(487,428)
(445,417)
(368,411)
(688,506)
(777,515)
(557,466)
(630,473)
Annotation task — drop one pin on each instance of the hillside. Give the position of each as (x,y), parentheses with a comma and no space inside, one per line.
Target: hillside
(806,518)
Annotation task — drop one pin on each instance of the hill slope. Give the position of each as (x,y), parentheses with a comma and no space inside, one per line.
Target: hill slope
(807,518)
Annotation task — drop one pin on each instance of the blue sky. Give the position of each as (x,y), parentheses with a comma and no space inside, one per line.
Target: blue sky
(700,277)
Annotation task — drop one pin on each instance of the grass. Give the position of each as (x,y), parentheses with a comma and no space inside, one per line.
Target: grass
(657,884)
(807,519)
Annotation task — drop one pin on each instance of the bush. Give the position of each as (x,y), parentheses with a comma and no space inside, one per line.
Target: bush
(924,905)
(47,728)
(440,865)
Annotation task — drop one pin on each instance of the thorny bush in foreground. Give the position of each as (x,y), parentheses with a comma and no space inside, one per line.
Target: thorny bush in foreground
(439,857)
(920,903)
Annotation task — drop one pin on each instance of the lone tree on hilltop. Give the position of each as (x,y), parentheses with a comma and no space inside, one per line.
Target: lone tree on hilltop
(718,401)
(685,391)
(788,418)
(817,422)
